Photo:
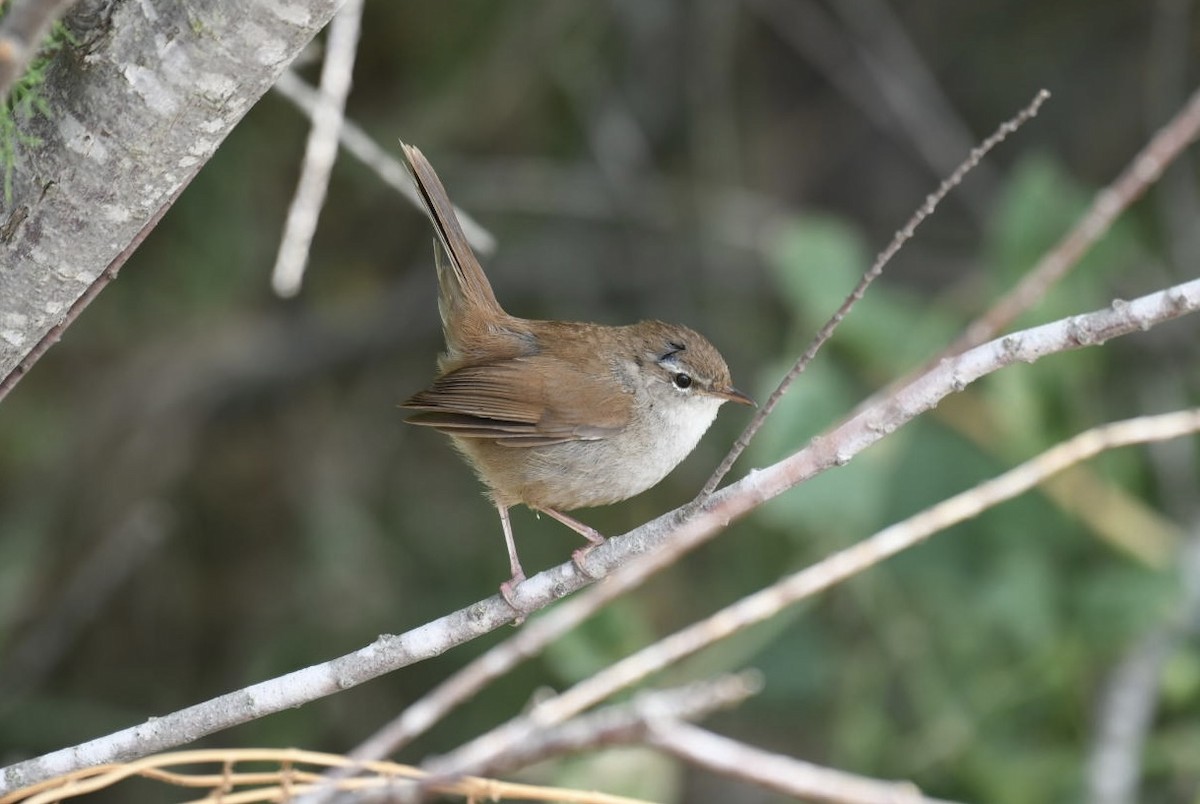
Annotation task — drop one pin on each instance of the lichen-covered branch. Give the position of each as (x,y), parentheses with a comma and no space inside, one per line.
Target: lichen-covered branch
(134,111)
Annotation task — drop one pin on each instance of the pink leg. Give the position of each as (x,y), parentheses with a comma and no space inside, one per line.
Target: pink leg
(586,531)
(514,563)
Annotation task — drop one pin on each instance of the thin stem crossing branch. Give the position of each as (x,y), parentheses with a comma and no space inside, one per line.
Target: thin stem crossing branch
(885,256)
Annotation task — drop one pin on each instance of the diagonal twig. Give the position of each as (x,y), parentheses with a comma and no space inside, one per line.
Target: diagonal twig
(1142,172)
(777,772)
(1147,166)
(321,150)
(885,256)
(630,721)
(362,147)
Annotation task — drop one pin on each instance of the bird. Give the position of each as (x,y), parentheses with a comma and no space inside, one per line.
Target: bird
(557,415)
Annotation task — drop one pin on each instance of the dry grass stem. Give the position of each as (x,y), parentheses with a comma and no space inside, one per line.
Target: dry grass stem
(298,772)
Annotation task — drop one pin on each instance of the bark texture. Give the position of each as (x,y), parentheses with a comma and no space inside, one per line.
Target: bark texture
(135,109)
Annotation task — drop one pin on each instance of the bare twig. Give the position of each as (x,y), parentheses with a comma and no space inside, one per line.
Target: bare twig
(777,772)
(629,722)
(885,256)
(1126,709)
(1143,171)
(844,564)
(321,151)
(1130,698)
(389,169)
(1169,56)
(21,33)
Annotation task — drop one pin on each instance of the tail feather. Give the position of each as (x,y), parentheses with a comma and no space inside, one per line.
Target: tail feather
(465,299)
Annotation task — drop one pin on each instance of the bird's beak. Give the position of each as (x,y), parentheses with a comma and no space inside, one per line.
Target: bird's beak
(734,395)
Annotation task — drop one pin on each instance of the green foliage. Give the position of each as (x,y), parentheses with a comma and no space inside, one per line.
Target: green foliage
(24,101)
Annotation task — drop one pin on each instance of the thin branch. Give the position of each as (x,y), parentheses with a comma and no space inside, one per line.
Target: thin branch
(808,582)
(1127,706)
(885,256)
(321,151)
(1166,81)
(21,33)
(777,772)
(1164,148)
(362,147)
(629,722)
(1129,702)
(618,724)
(1106,207)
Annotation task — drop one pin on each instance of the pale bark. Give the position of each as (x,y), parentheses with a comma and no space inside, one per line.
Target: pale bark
(135,110)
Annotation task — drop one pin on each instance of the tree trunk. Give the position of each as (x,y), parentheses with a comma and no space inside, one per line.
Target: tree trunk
(135,108)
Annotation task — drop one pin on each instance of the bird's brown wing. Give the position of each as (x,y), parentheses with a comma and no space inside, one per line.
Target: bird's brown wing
(523,402)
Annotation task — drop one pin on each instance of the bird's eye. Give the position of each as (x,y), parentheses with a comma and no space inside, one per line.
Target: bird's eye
(682,381)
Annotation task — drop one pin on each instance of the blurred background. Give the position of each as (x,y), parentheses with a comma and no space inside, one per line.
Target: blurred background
(204,486)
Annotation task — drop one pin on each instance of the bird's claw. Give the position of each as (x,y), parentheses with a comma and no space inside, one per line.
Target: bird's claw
(508,590)
(577,558)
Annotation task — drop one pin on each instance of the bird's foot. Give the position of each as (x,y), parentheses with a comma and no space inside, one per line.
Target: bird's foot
(578,556)
(586,531)
(508,590)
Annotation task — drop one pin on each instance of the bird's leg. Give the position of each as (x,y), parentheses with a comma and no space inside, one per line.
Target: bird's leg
(586,531)
(514,563)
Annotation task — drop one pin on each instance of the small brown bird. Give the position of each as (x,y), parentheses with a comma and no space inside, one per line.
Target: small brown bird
(552,414)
